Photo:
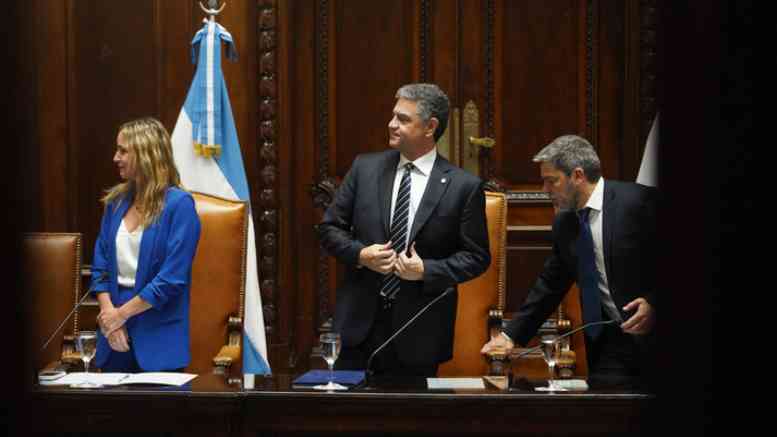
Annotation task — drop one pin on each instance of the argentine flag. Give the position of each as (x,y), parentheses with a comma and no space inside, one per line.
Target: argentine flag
(207,153)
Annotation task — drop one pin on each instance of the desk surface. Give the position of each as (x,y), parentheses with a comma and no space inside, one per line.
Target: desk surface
(210,406)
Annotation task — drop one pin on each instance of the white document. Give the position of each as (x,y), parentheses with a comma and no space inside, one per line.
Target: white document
(566,385)
(163,378)
(81,377)
(455,383)
(109,379)
(572,384)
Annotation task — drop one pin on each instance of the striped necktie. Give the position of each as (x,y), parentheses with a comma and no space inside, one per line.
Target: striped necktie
(399,229)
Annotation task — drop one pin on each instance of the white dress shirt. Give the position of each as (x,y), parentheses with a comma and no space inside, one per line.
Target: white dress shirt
(127,252)
(595,219)
(419,177)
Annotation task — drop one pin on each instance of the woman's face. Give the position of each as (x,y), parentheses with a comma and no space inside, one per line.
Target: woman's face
(124,159)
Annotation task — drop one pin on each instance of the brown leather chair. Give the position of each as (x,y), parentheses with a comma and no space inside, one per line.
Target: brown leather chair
(218,286)
(481,300)
(51,268)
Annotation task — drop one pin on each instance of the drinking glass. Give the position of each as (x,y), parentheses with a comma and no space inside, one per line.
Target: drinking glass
(330,349)
(551,349)
(86,345)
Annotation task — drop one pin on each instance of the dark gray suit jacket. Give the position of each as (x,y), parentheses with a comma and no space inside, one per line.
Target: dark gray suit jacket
(630,246)
(451,237)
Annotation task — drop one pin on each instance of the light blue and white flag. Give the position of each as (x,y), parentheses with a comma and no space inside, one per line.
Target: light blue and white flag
(207,153)
(648,168)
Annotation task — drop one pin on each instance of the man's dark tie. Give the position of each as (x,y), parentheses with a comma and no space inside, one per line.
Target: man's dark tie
(588,275)
(390,285)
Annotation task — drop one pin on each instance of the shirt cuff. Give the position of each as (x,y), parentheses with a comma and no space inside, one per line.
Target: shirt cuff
(507,337)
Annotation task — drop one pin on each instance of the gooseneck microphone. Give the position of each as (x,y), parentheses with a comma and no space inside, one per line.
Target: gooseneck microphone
(78,304)
(368,371)
(579,328)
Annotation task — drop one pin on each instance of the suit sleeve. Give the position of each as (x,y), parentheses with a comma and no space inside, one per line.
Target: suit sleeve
(175,273)
(473,256)
(100,262)
(335,230)
(649,227)
(544,296)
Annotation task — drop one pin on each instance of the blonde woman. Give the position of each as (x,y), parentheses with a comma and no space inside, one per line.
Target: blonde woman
(143,257)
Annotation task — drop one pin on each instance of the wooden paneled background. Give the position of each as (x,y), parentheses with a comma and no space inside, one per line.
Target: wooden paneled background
(313,87)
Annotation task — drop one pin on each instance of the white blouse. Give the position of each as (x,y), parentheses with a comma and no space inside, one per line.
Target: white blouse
(127,252)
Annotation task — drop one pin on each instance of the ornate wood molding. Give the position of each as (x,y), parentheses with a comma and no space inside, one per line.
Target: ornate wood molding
(648,67)
(590,72)
(322,191)
(266,215)
(424,40)
(489,166)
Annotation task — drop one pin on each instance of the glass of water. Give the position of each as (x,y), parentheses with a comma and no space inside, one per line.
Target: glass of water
(330,349)
(86,345)
(551,350)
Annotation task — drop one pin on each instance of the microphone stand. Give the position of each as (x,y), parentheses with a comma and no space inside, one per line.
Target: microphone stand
(77,305)
(579,328)
(368,371)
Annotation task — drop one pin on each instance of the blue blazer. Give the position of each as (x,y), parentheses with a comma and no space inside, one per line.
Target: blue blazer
(160,335)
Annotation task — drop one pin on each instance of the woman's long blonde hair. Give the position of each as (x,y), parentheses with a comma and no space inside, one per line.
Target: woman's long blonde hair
(150,151)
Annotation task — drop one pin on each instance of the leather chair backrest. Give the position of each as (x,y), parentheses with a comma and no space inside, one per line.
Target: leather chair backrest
(479,296)
(218,277)
(51,268)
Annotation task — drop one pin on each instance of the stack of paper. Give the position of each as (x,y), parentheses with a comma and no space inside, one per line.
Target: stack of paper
(455,383)
(108,379)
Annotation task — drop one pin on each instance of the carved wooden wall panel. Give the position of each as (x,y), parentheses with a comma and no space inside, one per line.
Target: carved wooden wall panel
(540,81)
(371,49)
(267,210)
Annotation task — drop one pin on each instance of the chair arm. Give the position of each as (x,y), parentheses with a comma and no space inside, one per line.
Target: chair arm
(227,355)
(230,352)
(69,356)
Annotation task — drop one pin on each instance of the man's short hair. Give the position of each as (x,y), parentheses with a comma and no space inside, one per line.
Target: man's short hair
(431,101)
(568,152)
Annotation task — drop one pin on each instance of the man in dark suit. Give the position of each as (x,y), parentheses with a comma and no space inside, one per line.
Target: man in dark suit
(408,225)
(604,238)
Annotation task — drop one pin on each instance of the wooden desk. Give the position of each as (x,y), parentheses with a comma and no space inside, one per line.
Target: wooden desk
(207,405)
(274,407)
(210,407)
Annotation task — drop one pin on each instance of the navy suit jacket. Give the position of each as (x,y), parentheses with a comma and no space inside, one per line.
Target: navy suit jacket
(451,237)
(159,335)
(630,245)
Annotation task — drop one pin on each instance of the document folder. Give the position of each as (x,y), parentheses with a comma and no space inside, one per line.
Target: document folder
(347,378)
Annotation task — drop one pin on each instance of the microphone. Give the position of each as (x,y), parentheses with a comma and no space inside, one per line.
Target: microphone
(78,304)
(368,371)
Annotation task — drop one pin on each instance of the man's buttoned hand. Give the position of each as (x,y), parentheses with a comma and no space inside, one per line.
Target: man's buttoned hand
(410,268)
(643,319)
(378,258)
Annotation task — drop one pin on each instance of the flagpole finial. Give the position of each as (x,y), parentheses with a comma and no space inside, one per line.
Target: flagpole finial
(211,10)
